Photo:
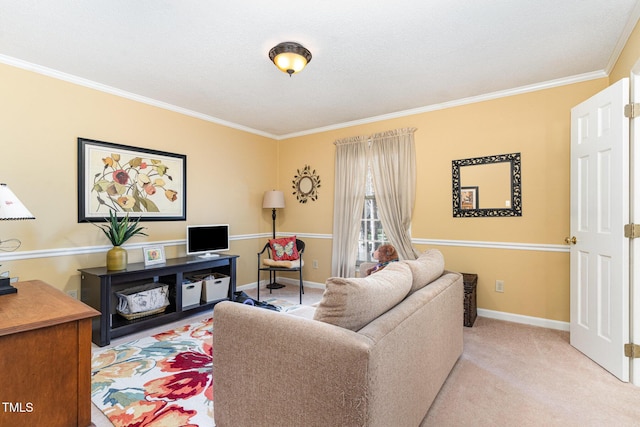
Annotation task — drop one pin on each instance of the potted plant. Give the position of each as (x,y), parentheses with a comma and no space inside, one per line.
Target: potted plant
(118,231)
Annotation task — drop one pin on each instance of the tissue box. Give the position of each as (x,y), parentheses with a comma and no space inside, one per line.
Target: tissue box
(215,287)
(191,293)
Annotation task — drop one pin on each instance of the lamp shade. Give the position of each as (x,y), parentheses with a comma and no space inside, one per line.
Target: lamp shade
(273,200)
(11,207)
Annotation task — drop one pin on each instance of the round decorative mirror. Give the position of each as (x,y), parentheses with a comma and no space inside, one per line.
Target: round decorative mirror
(306,184)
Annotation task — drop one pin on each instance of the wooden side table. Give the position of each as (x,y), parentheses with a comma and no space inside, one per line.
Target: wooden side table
(45,357)
(470,303)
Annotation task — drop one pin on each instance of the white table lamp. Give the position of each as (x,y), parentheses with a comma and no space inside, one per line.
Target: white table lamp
(11,208)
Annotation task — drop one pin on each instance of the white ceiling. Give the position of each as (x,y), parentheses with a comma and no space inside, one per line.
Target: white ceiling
(371,58)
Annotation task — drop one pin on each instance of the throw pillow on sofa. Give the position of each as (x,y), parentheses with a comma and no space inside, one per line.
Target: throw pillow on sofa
(352,303)
(428,267)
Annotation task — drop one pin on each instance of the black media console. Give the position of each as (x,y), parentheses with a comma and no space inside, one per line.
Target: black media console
(99,285)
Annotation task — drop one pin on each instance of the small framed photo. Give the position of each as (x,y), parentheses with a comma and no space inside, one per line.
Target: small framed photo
(153,255)
(469,197)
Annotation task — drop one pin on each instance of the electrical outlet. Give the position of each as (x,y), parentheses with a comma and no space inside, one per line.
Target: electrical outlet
(499,285)
(73,294)
(315,263)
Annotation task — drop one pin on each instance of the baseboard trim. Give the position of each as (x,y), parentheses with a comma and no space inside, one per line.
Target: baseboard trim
(526,320)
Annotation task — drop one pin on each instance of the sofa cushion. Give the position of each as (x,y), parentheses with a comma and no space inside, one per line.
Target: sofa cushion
(352,303)
(427,268)
(283,263)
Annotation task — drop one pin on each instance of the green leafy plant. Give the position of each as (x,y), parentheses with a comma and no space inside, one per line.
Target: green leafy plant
(119,230)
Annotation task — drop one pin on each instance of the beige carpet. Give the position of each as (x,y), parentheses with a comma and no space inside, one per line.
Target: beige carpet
(517,375)
(509,375)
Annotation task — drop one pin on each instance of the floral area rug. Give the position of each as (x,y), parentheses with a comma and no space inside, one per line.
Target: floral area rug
(165,380)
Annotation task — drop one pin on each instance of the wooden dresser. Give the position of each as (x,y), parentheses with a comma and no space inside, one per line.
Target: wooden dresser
(45,357)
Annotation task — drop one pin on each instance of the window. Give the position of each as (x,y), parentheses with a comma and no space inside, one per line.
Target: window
(371,231)
(351,184)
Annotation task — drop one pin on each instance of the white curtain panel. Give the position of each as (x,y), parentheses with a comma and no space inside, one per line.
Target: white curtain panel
(393,164)
(350,180)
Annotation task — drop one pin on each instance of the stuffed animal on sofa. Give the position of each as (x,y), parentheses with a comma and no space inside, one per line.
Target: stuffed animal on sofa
(384,255)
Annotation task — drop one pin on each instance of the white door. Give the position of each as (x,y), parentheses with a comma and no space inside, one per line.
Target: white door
(635,218)
(599,210)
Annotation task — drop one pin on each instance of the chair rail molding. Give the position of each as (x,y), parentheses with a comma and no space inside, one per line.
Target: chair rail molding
(83,250)
(516,246)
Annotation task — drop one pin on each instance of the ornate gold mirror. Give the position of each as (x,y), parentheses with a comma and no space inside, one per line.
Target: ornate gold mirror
(487,186)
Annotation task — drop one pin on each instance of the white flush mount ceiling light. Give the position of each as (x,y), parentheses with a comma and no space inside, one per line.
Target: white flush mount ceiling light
(290,57)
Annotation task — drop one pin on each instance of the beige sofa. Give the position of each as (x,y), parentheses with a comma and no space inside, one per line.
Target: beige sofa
(376,353)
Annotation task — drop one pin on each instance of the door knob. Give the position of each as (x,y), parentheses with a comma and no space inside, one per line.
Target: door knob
(571,240)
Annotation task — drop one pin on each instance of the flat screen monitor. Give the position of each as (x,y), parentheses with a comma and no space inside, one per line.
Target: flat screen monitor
(206,240)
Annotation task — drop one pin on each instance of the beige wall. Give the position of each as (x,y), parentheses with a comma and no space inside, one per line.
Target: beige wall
(228,171)
(42,118)
(536,125)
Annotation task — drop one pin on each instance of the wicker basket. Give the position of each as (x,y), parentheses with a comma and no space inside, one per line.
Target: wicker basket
(470,304)
(142,301)
(141,314)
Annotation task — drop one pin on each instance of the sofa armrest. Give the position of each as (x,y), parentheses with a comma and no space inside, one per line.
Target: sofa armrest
(271,367)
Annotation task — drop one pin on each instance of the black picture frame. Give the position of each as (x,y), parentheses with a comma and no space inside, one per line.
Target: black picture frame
(514,160)
(144,183)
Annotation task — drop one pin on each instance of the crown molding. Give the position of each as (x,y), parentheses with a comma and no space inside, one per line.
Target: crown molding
(70,78)
(624,38)
(456,103)
(429,108)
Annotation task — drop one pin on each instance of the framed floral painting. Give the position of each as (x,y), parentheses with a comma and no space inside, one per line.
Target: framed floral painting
(145,183)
